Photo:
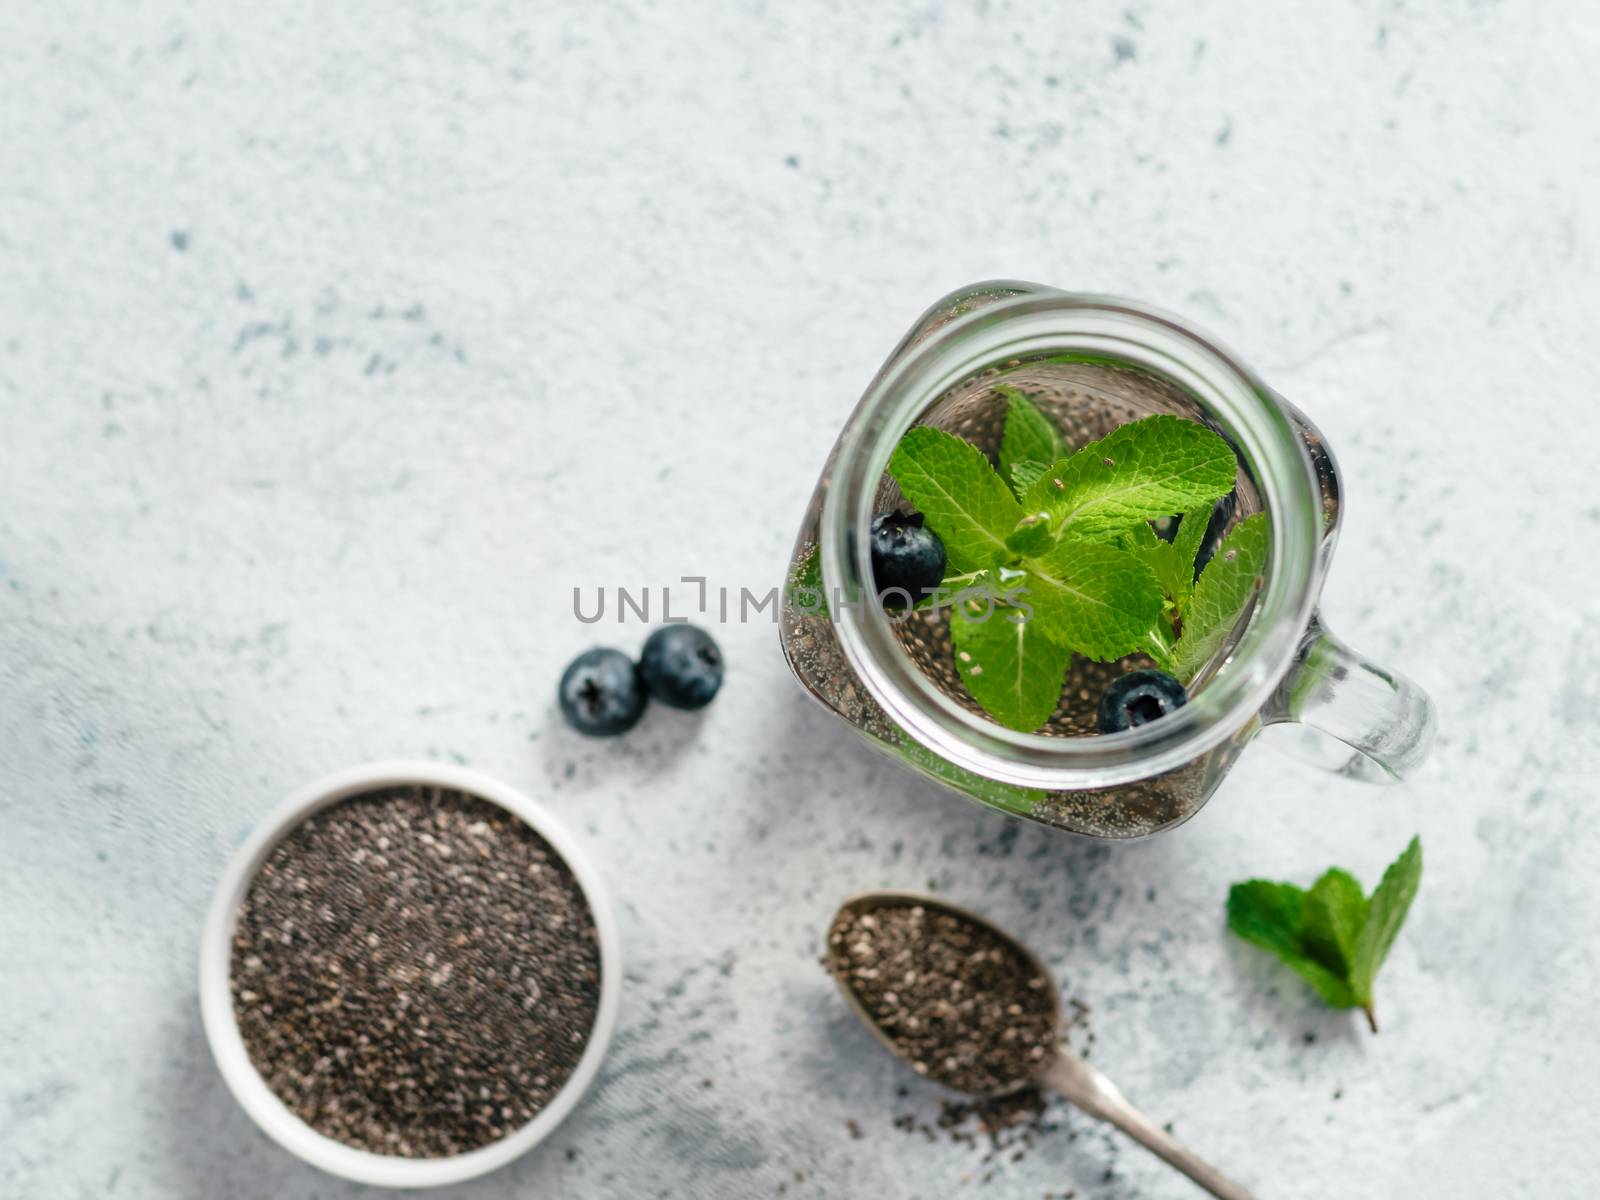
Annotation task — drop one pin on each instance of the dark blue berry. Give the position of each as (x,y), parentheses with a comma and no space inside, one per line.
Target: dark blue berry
(600,693)
(906,558)
(1221,514)
(681,666)
(1138,698)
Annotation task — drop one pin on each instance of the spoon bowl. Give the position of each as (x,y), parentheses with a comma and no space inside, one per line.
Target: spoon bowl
(864,903)
(1061,1070)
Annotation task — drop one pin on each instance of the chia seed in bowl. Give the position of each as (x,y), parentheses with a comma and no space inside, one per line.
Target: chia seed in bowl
(407,982)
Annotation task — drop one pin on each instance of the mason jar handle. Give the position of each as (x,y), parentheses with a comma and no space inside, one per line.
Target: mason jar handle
(1357,719)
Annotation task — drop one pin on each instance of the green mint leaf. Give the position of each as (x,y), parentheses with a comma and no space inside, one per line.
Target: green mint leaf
(1029,436)
(1079,356)
(1332,936)
(1386,912)
(1138,472)
(1140,537)
(1176,581)
(1158,645)
(1010,668)
(1032,536)
(1271,916)
(1097,600)
(1226,585)
(806,593)
(958,493)
(955,582)
(1025,474)
(1186,542)
(1142,541)
(1335,912)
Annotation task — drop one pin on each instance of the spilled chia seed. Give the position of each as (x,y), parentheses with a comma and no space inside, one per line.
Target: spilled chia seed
(415,972)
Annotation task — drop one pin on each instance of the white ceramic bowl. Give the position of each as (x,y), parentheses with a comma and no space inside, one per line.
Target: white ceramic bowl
(222,1030)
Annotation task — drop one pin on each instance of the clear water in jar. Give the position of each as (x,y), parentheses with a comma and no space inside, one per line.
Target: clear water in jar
(1086,399)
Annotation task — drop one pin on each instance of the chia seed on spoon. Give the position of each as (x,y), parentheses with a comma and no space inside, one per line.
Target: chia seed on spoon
(958,1002)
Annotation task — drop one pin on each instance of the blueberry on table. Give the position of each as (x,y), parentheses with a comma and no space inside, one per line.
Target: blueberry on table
(681,666)
(600,693)
(1138,698)
(906,557)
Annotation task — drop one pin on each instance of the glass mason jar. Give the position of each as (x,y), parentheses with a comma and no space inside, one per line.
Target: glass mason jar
(1091,363)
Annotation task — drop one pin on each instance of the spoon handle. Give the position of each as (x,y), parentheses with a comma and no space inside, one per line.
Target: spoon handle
(1091,1091)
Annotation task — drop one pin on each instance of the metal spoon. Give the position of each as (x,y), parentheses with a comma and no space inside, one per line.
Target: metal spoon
(1064,1071)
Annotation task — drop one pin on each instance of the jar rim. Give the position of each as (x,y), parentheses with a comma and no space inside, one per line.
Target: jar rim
(1030,321)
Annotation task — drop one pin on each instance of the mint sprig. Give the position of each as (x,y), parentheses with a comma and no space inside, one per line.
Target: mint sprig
(1332,936)
(1070,533)
(960,496)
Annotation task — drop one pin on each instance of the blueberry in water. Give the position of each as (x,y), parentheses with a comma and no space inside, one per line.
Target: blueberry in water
(1221,514)
(600,693)
(681,666)
(905,556)
(1138,698)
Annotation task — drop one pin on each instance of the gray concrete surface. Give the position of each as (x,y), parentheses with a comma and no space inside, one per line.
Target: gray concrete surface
(338,343)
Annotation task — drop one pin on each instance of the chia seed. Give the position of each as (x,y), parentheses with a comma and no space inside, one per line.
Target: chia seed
(415,972)
(962,1005)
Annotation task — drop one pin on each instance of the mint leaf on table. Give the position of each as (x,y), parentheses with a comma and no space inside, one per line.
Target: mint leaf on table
(1335,912)
(1097,600)
(1138,472)
(959,494)
(1272,916)
(1390,902)
(1010,668)
(1332,936)
(1226,585)
(1030,436)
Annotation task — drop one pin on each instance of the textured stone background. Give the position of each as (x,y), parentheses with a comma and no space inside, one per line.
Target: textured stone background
(339,341)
